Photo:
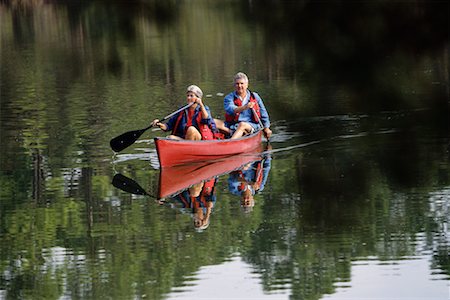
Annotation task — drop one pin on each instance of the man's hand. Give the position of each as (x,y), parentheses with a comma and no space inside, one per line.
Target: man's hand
(267,132)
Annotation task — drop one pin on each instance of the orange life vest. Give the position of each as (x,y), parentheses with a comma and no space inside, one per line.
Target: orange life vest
(204,129)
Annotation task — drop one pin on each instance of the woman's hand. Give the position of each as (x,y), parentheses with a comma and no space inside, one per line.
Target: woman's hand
(156,122)
(199,101)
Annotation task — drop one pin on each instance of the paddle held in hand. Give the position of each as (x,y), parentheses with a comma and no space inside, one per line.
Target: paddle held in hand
(128,138)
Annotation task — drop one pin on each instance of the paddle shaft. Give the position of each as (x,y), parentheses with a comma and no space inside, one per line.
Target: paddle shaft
(259,121)
(175,112)
(170,115)
(257,118)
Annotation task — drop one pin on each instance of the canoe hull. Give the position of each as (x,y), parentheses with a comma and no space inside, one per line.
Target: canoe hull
(178,152)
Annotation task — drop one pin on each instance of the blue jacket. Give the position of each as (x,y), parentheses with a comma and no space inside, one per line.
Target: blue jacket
(246,115)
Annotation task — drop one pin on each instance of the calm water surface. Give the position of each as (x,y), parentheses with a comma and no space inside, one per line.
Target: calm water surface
(355,194)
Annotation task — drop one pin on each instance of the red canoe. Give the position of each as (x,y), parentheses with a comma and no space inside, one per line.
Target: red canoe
(173,180)
(177,152)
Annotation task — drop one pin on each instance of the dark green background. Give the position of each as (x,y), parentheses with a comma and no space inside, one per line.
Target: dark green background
(366,82)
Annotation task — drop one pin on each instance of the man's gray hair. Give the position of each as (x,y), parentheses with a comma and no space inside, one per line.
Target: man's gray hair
(240,75)
(195,89)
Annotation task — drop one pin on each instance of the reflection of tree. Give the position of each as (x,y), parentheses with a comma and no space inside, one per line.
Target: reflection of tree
(34,135)
(74,44)
(86,78)
(369,55)
(439,232)
(305,239)
(38,176)
(350,206)
(88,248)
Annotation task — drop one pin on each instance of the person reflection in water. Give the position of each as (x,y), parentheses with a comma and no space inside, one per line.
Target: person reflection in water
(199,199)
(250,180)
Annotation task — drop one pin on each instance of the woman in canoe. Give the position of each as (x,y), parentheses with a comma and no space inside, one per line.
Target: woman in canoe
(245,112)
(193,123)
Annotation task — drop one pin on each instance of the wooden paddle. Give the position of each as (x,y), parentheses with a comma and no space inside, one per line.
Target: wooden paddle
(259,120)
(128,138)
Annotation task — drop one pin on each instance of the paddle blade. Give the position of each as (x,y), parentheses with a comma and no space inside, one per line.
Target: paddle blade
(127,185)
(125,139)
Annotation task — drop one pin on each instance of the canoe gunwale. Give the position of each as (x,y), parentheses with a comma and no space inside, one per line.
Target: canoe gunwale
(246,137)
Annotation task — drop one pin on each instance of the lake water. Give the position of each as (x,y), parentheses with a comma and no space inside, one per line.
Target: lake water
(355,194)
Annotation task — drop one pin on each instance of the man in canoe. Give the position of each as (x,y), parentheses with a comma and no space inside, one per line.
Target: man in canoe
(193,123)
(245,112)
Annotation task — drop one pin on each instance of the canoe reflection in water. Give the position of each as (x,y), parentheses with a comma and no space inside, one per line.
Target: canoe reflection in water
(191,188)
(250,179)
(173,180)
